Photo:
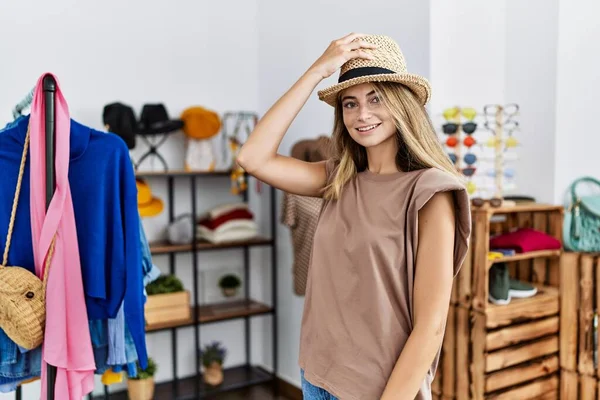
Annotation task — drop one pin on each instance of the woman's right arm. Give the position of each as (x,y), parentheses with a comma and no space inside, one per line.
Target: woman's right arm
(259,157)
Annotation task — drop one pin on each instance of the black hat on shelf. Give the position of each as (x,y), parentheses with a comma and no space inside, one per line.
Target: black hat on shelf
(120,119)
(154,120)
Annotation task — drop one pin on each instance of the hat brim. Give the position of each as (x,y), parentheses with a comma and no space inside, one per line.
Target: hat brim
(160,128)
(152,208)
(419,86)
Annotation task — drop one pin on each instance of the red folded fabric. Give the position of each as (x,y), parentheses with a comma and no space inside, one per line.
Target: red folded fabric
(234,214)
(524,240)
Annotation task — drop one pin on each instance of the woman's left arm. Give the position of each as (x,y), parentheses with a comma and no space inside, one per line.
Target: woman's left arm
(432,289)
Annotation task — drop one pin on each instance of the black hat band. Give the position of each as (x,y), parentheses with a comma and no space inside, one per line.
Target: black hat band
(363,71)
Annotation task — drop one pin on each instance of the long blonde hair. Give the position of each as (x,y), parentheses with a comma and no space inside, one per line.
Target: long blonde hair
(418,145)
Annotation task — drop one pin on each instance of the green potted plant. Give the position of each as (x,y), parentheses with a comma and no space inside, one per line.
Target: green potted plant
(229,285)
(212,357)
(141,387)
(167,301)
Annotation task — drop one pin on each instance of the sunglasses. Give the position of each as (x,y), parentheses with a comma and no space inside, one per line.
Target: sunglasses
(454,113)
(508,110)
(451,128)
(469,159)
(453,141)
(469,171)
(479,202)
(509,142)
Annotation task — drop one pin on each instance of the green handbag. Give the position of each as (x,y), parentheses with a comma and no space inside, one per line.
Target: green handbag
(581,227)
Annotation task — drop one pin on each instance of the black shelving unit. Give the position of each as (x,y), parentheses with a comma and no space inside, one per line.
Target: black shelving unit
(234,378)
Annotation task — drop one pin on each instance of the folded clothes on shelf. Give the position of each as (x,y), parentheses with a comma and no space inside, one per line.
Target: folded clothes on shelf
(524,240)
(225,223)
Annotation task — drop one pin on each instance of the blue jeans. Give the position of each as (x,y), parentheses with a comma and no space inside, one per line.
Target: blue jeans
(312,392)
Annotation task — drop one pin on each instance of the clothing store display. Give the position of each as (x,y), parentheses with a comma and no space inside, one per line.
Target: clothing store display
(301,213)
(524,240)
(67,343)
(388,65)
(232,225)
(154,128)
(345,300)
(154,120)
(148,204)
(112,263)
(120,119)
(22,293)
(200,123)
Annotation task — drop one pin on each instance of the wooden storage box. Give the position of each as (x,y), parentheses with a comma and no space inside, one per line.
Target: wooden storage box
(580,296)
(509,351)
(168,307)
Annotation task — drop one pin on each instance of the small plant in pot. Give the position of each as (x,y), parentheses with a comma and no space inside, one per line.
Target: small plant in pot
(141,387)
(212,357)
(229,285)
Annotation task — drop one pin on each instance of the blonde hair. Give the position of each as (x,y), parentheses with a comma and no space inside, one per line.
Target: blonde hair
(418,144)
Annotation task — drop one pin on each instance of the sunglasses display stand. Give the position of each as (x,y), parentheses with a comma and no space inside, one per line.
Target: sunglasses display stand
(460,139)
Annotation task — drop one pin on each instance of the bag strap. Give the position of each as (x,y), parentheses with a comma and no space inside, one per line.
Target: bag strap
(13,215)
(588,179)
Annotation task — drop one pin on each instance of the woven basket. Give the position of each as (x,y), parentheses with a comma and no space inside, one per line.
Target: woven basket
(22,306)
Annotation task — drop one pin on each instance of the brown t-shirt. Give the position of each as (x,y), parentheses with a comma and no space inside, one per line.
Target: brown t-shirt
(358,310)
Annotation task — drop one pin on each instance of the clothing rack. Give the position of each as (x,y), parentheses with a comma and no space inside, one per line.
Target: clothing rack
(49,88)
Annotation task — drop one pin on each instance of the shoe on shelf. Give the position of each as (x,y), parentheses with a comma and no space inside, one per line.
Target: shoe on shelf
(499,285)
(521,290)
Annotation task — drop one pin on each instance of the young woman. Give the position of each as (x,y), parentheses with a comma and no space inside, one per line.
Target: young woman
(392,233)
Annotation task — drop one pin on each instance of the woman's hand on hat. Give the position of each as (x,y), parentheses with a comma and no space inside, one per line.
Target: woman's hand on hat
(339,52)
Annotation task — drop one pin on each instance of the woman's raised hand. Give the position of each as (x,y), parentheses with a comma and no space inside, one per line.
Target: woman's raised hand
(340,51)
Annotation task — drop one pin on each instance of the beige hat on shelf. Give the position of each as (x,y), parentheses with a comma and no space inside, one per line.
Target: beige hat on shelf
(387,65)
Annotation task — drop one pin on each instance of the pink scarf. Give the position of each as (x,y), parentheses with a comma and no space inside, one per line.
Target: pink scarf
(67,343)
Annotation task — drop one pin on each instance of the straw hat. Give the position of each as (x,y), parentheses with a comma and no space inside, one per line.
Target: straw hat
(387,65)
(148,206)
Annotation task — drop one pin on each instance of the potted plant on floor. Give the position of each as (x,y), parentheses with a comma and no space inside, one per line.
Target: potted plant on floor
(212,357)
(229,285)
(141,387)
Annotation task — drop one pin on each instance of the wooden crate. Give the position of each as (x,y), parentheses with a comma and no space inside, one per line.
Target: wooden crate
(540,267)
(168,307)
(578,386)
(503,361)
(444,382)
(512,351)
(580,296)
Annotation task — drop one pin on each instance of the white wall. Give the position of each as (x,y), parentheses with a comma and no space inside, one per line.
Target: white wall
(291,37)
(194,53)
(578,94)
(530,81)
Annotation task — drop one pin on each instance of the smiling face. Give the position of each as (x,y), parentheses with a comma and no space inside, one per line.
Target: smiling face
(367,120)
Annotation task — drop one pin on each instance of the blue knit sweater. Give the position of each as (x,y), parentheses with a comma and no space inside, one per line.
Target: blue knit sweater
(104,197)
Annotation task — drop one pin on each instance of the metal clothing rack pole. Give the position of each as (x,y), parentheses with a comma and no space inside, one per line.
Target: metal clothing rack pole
(49,88)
